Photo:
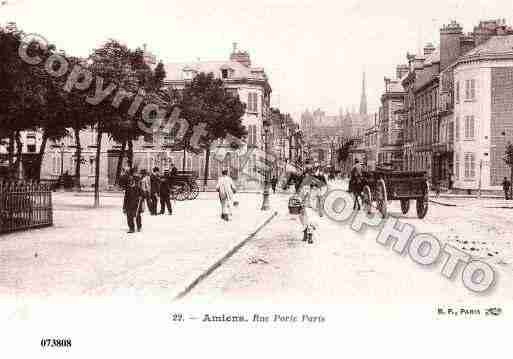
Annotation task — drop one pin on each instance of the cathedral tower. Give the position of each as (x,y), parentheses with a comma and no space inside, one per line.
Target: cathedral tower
(363,100)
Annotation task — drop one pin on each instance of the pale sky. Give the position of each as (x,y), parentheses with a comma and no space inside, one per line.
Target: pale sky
(314,52)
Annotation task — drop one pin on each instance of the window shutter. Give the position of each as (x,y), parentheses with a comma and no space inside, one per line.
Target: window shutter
(472,165)
(466,159)
(471,125)
(457,165)
(255,102)
(473,89)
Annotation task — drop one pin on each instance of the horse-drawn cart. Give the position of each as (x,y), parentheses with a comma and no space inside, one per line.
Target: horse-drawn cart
(184,186)
(381,186)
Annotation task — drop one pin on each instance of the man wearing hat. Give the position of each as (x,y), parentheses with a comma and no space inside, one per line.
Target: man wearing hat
(133,204)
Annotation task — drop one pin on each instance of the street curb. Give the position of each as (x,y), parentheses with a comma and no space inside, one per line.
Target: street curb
(443,204)
(223,259)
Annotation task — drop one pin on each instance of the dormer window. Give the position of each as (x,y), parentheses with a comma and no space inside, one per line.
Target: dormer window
(188,73)
(226,72)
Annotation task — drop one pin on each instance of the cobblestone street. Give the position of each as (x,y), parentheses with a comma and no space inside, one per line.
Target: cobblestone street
(277,267)
(88,251)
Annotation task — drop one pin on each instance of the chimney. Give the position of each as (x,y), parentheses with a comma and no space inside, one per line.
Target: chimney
(411,59)
(387,84)
(467,43)
(449,43)
(401,71)
(418,62)
(428,49)
(240,56)
(486,29)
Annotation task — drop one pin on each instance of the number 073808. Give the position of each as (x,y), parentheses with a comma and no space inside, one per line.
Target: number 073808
(56,342)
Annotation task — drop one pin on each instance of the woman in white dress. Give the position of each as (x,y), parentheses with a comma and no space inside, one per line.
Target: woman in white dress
(309,217)
(226,190)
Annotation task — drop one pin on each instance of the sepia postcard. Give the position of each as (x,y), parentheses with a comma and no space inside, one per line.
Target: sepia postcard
(256,178)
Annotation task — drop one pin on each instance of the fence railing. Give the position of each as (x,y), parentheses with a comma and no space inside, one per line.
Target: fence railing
(24,205)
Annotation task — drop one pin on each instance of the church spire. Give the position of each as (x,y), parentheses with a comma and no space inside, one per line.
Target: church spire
(363,100)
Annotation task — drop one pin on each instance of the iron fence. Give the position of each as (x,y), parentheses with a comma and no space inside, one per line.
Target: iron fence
(24,205)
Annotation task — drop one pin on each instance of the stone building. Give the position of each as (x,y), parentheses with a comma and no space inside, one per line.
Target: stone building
(252,86)
(457,106)
(421,110)
(391,121)
(355,126)
(482,107)
(322,133)
(249,82)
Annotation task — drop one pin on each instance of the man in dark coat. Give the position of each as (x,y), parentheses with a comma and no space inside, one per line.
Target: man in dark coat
(506,185)
(274,182)
(355,183)
(133,204)
(173,170)
(154,190)
(165,193)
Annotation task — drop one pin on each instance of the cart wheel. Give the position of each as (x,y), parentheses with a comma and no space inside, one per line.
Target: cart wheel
(194,190)
(180,191)
(405,205)
(367,199)
(381,197)
(422,203)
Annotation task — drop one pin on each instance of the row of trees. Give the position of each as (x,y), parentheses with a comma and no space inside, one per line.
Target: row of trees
(33,99)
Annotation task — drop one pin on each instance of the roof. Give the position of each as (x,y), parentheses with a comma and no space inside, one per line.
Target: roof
(396,86)
(175,71)
(496,45)
(433,58)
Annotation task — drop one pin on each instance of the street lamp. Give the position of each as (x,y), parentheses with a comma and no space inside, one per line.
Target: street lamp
(265,195)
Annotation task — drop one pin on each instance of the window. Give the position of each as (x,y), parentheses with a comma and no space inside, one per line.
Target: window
(93,137)
(56,164)
(31,143)
(224,73)
(252,102)
(148,138)
(457,123)
(92,166)
(252,135)
(457,166)
(470,90)
(232,92)
(469,127)
(457,91)
(189,163)
(470,165)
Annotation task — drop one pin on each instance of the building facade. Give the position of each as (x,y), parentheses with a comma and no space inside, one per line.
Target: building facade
(391,121)
(239,77)
(458,107)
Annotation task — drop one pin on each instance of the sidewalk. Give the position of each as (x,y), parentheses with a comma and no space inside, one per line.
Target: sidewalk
(483,202)
(88,251)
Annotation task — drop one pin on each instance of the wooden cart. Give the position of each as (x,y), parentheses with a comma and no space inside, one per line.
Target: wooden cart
(184,186)
(381,186)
